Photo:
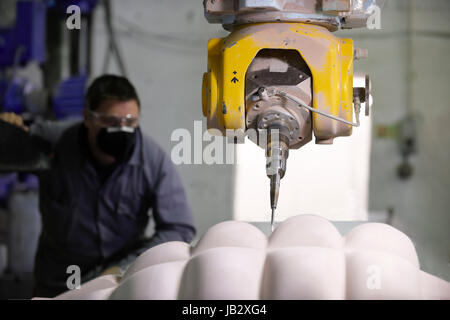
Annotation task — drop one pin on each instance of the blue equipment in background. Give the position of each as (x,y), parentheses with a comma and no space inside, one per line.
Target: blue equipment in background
(37,37)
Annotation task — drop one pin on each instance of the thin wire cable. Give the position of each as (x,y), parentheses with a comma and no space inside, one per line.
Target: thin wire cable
(113,46)
(299,102)
(302,104)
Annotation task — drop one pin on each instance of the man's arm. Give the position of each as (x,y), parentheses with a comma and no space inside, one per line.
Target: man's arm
(173,216)
(28,149)
(50,130)
(171,212)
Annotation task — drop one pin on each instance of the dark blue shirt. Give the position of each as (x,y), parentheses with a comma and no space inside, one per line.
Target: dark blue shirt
(95,220)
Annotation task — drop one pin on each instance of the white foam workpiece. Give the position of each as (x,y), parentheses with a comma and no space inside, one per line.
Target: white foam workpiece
(304,258)
(99,288)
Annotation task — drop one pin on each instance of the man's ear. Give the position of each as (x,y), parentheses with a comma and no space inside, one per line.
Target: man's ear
(86,117)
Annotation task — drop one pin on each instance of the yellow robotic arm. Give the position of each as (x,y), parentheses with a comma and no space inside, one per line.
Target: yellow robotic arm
(283,74)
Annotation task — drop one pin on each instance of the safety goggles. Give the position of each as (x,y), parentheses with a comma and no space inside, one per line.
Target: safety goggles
(114,121)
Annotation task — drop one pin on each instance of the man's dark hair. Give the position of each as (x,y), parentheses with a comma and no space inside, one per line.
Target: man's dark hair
(110,87)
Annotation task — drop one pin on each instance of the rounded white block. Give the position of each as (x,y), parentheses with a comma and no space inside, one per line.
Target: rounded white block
(433,288)
(304,258)
(231,234)
(157,282)
(224,273)
(304,273)
(102,294)
(165,252)
(97,289)
(306,230)
(381,237)
(381,275)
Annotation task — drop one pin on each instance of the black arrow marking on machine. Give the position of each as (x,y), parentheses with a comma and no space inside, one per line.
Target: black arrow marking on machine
(234,80)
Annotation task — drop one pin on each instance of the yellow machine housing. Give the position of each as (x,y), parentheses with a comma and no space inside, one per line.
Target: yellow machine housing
(329,58)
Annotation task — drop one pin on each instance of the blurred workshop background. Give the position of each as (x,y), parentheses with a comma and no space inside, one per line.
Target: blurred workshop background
(161,45)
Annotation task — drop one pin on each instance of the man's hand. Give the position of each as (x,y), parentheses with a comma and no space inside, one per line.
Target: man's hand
(14,119)
(114,270)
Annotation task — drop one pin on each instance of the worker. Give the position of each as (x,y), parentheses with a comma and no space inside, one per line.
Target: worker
(95,199)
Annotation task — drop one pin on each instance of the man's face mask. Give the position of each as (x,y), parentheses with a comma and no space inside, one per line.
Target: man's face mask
(117,142)
(117,134)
